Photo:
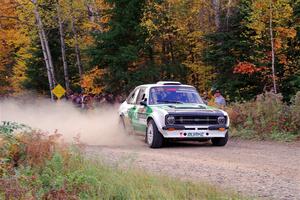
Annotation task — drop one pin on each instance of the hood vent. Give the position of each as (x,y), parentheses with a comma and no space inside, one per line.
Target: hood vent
(187,107)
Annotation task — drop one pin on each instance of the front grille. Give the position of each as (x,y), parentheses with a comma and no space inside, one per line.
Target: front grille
(196,120)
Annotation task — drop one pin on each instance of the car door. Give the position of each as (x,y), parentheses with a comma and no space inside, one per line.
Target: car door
(139,122)
(130,108)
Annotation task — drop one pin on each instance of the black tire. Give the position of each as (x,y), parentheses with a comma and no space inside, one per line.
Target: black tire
(157,139)
(220,141)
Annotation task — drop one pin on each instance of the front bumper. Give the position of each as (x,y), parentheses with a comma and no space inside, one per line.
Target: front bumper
(194,132)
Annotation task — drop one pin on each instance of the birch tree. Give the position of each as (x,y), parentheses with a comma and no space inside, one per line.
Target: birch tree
(270,20)
(216,8)
(77,50)
(63,45)
(45,48)
(272,45)
(75,12)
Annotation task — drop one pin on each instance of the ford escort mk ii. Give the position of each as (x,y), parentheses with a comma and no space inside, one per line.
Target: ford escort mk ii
(172,111)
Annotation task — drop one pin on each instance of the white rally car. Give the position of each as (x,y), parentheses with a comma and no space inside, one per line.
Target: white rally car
(172,111)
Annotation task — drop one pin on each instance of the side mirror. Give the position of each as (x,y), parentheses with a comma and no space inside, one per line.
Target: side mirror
(144,102)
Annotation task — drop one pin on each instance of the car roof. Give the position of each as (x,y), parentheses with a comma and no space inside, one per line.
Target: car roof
(164,84)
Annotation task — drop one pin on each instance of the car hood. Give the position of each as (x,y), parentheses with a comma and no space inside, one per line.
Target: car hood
(186,108)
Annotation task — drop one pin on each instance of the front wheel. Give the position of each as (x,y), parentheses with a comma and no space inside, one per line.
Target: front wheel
(153,137)
(220,141)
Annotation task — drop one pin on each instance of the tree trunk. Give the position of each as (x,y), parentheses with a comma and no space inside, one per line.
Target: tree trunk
(94,15)
(272,47)
(51,83)
(49,55)
(91,12)
(63,47)
(77,50)
(216,7)
(44,50)
(228,13)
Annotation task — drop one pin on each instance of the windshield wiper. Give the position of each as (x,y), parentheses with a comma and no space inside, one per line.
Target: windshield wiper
(167,101)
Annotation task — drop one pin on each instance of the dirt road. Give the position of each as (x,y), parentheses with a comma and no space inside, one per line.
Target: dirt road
(264,170)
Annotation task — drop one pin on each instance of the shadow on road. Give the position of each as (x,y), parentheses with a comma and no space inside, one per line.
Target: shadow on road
(174,144)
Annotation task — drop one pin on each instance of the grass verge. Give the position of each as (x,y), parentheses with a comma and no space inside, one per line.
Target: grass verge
(34,166)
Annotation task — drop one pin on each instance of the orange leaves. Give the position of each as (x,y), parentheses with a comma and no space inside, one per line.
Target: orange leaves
(91,81)
(277,43)
(246,68)
(282,34)
(286,32)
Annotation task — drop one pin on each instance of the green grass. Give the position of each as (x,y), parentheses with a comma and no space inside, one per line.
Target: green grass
(112,183)
(250,134)
(91,179)
(285,137)
(69,174)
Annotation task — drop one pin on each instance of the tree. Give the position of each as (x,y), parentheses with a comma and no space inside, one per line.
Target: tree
(45,48)
(119,48)
(8,34)
(176,29)
(63,45)
(227,47)
(270,20)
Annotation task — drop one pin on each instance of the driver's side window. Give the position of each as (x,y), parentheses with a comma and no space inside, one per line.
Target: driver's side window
(141,96)
(131,98)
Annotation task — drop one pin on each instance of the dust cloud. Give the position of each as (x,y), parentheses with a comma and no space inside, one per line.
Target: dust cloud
(94,127)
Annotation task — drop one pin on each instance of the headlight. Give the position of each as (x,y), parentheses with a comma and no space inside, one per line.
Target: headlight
(221,120)
(170,120)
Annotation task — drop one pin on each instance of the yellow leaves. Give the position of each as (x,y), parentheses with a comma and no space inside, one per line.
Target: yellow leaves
(14,40)
(150,25)
(91,81)
(200,75)
(280,14)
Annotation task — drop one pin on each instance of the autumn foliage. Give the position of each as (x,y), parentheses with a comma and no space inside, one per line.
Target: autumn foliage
(266,117)
(111,46)
(247,68)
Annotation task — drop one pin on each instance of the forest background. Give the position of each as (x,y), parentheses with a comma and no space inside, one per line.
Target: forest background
(242,47)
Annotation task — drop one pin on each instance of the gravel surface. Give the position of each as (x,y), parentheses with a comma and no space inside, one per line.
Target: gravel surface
(265,170)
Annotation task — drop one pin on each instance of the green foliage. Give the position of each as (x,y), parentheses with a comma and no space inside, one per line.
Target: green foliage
(7,128)
(266,118)
(247,39)
(137,41)
(11,149)
(119,48)
(36,72)
(68,174)
(226,48)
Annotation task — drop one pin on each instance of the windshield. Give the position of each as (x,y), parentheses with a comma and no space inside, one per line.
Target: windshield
(174,94)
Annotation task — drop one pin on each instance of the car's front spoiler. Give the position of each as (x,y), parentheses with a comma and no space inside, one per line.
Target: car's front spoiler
(194,132)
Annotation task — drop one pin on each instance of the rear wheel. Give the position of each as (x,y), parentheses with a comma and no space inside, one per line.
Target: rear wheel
(220,141)
(153,137)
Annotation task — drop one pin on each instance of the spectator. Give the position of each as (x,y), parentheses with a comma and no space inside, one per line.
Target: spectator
(77,100)
(205,97)
(219,99)
(109,98)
